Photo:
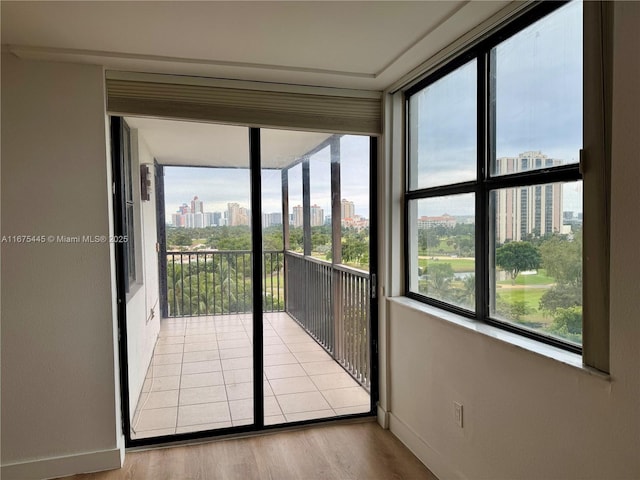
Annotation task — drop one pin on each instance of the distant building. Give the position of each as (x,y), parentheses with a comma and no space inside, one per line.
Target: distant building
(271,219)
(198,220)
(347,209)
(177,220)
(317,216)
(212,219)
(535,209)
(298,217)
(444,220)
(196,205)
(356,221)
(237,215)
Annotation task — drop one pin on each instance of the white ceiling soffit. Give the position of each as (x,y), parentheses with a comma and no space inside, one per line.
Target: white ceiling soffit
(361,45)
(174,142)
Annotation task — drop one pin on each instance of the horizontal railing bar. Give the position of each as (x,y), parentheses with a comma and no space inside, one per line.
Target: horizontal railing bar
(216,252)
(218,282)
(352,270)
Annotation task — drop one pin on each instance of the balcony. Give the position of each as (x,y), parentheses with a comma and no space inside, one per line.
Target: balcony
(316,343)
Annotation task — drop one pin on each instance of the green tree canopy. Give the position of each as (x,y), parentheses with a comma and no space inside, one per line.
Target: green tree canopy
(562,259)
(439,277)
(515,257)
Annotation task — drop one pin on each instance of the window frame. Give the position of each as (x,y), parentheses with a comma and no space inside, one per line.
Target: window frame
(129,205)
(486,182)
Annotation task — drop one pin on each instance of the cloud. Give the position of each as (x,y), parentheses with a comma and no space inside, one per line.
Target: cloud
(538,80)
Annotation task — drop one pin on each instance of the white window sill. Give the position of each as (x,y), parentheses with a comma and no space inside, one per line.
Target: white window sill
(524,343)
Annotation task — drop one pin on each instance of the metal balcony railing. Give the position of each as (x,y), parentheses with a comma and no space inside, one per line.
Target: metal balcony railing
(331,302)
(219,282)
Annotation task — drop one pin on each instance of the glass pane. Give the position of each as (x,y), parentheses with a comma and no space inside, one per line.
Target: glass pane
(442,122)
(320,198)
(203,347)
(442,248)
(321,324)
(272,241)
(354,206)
(296,213)
(537,258)
(538,94)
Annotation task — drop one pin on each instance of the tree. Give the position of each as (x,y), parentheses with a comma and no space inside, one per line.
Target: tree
(562,258)
(515,257)
(439,276)
(514,309)
(567,323)
(561,296)
(296,241)
(182,239)
(466,294)
(428,240)
(354,249)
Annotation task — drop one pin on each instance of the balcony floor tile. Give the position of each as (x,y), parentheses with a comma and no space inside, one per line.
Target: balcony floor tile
(201,377)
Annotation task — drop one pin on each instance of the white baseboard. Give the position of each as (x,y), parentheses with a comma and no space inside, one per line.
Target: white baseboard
(383,417)
(421,449)
(63,466)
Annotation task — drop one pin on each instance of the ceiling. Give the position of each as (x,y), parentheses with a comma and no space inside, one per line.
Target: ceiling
(363,45)
(174,142)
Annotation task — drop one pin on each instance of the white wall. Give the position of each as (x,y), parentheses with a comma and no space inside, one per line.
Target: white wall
(528,416)
(60,407)
(142,326)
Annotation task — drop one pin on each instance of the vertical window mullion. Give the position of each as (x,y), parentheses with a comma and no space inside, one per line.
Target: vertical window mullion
(482,195)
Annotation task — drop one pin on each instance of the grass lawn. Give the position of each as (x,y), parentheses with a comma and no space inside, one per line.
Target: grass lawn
(531,297)
(538,279)
(459,265)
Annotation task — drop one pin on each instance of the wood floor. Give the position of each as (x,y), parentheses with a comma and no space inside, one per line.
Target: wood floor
(338,451)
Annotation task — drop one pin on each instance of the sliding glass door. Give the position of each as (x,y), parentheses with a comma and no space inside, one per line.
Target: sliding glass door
(259,311)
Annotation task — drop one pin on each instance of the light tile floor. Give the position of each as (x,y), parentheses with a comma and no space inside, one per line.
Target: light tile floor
(200,377)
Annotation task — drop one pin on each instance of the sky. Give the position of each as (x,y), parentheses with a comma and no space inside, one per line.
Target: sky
(538,107)
(218,186)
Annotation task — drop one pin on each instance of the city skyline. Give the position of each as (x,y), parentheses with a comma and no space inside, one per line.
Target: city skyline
(217,186)
(193,214)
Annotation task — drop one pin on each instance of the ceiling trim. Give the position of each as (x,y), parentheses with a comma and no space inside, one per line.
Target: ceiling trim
(422,38)
(460,45)
(105,58)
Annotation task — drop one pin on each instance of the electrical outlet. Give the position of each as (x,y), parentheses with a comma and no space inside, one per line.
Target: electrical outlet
(457,410)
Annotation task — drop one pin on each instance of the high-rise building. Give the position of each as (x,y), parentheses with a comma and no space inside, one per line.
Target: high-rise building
(237,215)
(347,209)
(298,217)
(196,205)
(317,216)
(275,218)
(214,218)
(271,219)
(534,209)
(177,220)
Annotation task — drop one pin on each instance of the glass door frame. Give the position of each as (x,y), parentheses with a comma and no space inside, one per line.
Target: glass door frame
(257,313)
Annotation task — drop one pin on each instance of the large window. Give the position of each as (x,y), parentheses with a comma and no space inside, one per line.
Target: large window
(494,188)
